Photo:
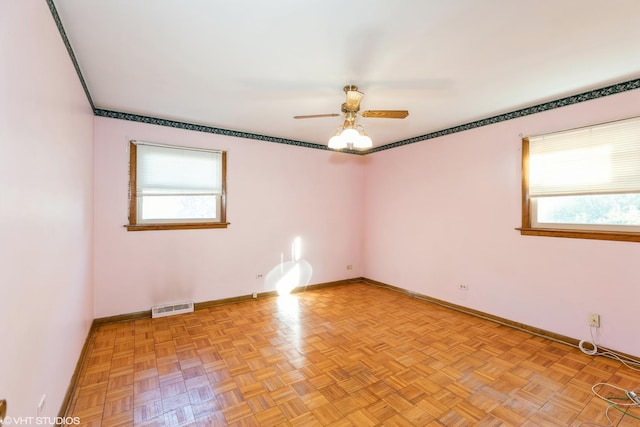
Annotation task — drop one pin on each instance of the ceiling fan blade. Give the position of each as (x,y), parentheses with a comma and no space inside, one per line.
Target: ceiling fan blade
(315,116)
(353,98)
(386,114)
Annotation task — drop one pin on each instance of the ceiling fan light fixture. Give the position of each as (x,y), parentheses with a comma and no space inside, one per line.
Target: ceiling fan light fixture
(350,137)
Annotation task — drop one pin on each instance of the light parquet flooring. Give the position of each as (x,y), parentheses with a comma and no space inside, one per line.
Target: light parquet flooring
(352,355)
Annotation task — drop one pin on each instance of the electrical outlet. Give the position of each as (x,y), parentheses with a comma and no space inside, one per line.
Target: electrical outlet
(255,295)
(463,287)
(349,267)
(258,276)
(594,320)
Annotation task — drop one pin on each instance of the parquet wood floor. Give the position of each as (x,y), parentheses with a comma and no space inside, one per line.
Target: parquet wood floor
(352,355)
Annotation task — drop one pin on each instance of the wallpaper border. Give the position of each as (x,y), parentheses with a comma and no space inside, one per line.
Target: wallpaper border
(67,44)
(210,129)
(551,105)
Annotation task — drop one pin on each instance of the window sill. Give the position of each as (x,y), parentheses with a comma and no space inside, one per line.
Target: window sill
(581,234)
(176,226)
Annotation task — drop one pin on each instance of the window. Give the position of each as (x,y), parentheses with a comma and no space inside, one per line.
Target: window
(176,187)
(583,183)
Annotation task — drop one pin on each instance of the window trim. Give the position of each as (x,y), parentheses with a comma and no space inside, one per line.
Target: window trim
(133,193)
(528,230)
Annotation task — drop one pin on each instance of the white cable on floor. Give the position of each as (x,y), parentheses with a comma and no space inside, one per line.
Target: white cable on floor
(626,361)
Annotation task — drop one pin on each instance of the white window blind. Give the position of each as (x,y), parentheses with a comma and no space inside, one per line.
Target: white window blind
(176,184)
(175,171)
(601,159)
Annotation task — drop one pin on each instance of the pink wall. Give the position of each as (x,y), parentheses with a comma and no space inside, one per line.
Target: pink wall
(275,193)
(46,152)
(442,212)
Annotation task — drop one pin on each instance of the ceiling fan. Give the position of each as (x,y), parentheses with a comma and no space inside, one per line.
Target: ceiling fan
(350,134)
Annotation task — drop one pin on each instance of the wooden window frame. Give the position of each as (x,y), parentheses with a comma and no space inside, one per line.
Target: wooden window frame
(133,208)
(528,230)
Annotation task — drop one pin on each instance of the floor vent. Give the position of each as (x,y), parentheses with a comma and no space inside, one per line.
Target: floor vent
(171,309)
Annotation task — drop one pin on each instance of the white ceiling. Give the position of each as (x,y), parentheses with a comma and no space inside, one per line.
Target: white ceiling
(251,66)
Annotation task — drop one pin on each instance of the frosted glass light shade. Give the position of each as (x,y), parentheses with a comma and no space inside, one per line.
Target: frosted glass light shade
(337,142)
(363,141)
(350,135)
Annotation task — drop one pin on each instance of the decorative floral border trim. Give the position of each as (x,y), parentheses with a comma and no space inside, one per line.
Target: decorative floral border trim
(209,129)
(570,100)
(563,102)
(65,39)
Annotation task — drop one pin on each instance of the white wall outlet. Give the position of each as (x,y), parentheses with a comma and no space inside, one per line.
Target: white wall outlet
(463,287)
(43,401)
(594,320)
(255,295)
(349,267)
(259,276)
